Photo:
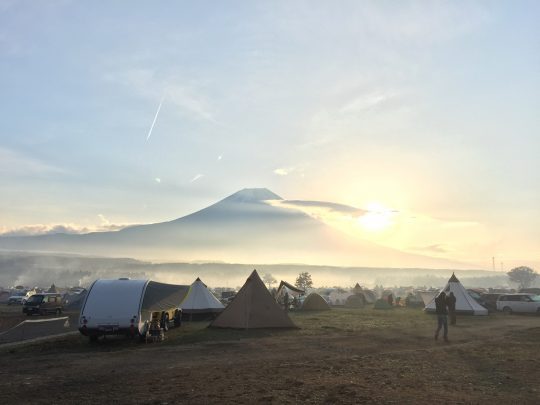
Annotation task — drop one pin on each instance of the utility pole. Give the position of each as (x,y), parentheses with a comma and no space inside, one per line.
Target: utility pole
(502,266)
(493,263)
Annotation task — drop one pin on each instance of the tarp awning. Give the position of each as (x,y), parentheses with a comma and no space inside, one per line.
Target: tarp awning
(290,287)
(160,296)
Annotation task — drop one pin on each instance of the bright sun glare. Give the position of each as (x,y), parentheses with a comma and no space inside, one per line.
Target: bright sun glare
(377,218)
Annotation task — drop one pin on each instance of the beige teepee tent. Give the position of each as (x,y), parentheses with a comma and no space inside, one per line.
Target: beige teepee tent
(253,307)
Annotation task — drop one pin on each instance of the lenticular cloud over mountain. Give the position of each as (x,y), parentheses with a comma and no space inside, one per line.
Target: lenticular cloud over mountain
(245,227)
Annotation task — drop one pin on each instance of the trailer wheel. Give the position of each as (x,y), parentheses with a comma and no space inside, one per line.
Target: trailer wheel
(58,312)
(93,338)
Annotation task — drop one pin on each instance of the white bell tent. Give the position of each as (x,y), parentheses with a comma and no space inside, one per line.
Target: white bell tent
(465,304)
(200,301)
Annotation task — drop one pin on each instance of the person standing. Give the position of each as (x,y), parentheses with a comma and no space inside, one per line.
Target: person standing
(451,304)
(442,320)
(286,301)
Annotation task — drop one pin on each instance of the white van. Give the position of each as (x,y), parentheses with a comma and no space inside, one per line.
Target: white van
(519,302)
(125,307)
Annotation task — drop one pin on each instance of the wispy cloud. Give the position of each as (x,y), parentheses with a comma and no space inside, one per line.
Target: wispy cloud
(186,95)
(15,163)
(435,248)
(281,172)
(322,210)
(367,101)
(49,229)
(329,206)
(104,220)
(285,171)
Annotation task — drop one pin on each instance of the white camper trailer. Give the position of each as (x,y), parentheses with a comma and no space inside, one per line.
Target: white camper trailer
(126,307)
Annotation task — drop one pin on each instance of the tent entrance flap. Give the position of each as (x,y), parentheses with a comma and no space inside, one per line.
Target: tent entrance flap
(161,297)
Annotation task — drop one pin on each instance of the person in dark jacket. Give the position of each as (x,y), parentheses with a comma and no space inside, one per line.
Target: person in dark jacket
(286,301)
(451,304)
(442,321)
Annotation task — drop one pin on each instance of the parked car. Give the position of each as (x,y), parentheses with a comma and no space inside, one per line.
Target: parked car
(509,303)
(43,304)
(532,290)
(490,300)
(477,296)
(16,300)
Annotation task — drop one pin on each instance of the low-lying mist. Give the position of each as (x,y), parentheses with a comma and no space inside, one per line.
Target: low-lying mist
(67,270)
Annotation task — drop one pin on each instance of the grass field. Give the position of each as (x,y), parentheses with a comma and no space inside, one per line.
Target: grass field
(337,356)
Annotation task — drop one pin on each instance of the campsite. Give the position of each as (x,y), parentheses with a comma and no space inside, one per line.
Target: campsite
(342,355)
(255,351)
(270,202)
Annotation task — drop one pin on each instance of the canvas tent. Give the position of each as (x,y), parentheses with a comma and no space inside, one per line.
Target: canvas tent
(356,301)
(288,288)
(253,307)
(74,299)
(428,296)
(382,304)
(359,297)
(338,297)
(465,304)
(314,302)
(53,289)
(357,289)
(290,291)
(414,300)
(369,296)
(200,301)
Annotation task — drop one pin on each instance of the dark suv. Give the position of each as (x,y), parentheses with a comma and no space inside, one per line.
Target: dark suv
(43,304)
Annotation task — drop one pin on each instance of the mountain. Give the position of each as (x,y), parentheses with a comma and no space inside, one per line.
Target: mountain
(241,228)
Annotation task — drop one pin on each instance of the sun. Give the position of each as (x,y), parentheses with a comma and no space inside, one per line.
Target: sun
(377,218)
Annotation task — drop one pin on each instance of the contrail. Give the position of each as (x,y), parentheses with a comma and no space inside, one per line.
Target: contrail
(197,177)
(155,118)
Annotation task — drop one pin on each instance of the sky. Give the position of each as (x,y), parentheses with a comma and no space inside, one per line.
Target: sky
(422,114)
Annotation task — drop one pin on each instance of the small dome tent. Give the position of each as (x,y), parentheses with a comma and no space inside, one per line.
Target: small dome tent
(314,302)
(355,301)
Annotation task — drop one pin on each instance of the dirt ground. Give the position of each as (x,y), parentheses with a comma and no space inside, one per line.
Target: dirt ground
(337,356)
(10,315)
